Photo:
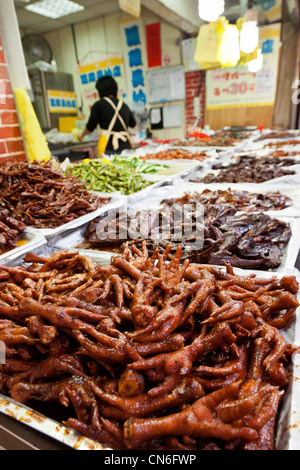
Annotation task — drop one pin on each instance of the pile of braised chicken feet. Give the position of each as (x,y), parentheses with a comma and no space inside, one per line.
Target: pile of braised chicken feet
(148,352)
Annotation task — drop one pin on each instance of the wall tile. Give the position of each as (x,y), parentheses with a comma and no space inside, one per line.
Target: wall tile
(14,146)
(10,132)
(11,141)
(9,118)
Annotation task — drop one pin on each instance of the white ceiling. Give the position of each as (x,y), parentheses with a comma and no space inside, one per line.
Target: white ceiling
(33,23)
(187,19)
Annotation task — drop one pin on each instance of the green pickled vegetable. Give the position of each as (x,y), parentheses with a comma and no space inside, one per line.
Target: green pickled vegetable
(140,166)
(101,176)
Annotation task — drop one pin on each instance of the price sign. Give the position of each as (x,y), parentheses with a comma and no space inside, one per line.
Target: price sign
(237,87)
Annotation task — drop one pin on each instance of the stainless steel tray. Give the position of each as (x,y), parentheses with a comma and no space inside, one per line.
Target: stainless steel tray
(47,426)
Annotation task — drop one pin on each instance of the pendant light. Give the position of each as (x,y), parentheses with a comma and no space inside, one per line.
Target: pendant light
(256,65)
(211,10)
(249,35)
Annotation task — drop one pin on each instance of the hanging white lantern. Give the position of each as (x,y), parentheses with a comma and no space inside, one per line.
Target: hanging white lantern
(256,65)
(211,10)
(249,35)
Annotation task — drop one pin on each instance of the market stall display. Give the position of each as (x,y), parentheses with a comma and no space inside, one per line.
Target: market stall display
(150,254)
(279,134)
(287,143)
(242,200)
(133,337)
(147,353)
(176,154)
(248,170)
(218,235)
(235,133)
(214,141)
(281,200)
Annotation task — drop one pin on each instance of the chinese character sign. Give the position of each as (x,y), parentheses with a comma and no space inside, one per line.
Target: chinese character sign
(154,45)
(237,87)
(135,60)
(89,74)
(230,87)
(62,102)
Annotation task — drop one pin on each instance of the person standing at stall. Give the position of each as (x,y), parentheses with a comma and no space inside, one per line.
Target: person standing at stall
(114,118)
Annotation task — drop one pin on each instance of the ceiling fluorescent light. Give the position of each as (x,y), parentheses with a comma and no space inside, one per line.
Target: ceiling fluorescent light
(54,8)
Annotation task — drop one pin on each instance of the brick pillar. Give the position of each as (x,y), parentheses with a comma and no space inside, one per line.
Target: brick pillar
(195,88)
(11,141)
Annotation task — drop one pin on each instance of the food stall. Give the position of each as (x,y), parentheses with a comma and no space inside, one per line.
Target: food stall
(149,299)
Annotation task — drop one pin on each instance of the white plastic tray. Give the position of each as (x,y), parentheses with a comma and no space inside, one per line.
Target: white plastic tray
(47,426)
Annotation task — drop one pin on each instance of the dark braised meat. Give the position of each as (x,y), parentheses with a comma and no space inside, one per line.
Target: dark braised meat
(208,234)
(280,134)
(241,200)
(247,160)
(41,197)
(233,133)
(215,141)
(252,241)
(148,353)
(246,169)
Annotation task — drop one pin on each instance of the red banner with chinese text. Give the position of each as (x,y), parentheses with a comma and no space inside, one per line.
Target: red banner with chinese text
(153,36)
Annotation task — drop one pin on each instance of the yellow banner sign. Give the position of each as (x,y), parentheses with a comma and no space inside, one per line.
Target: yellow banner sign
(90,73)
(62,102)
